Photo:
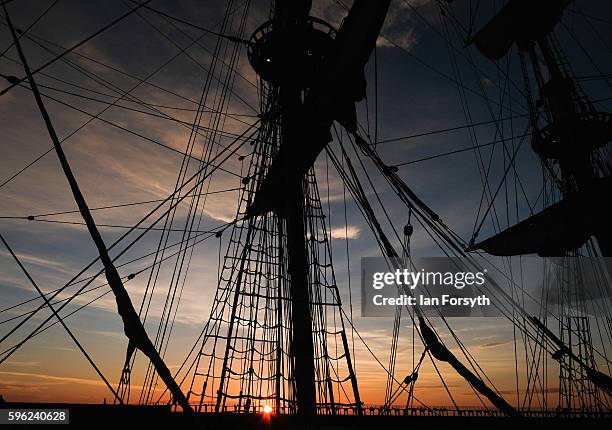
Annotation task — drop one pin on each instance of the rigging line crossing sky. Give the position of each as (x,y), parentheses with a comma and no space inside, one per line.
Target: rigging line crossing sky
(72,48)
(24,32)
(61,321)
(215,232)
(174,204)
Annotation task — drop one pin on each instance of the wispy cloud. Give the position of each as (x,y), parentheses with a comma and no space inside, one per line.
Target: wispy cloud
(55,378)
(402,27)
(350,232)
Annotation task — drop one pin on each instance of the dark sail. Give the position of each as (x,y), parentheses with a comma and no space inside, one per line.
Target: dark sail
(519,21)
(562,227)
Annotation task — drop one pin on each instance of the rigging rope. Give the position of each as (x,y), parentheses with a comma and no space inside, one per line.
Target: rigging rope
(132,326)
(75,46)
(59,318)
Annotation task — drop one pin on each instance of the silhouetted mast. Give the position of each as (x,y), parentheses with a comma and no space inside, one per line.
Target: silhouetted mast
(573,133)
(571,136)
(319,79)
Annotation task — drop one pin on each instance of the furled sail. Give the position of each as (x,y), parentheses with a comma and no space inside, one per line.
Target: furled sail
(562,227)
(519,21)
(441,352)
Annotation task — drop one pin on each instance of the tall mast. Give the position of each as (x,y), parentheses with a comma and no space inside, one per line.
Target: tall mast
(290,18)
(571,136)
(311,75)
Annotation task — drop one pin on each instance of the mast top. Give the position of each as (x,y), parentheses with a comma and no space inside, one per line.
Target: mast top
(272,56)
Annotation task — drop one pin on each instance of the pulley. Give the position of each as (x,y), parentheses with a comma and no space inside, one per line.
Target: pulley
(408,230)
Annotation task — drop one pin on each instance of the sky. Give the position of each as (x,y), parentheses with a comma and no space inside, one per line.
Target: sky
(423,85)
